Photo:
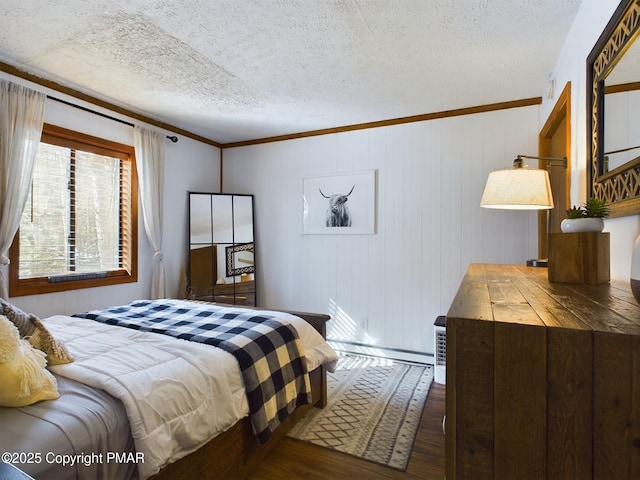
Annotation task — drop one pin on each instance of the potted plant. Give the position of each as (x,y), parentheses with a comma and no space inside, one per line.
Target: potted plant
(586,218)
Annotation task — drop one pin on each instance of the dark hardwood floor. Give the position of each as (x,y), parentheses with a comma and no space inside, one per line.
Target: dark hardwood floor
(293,459)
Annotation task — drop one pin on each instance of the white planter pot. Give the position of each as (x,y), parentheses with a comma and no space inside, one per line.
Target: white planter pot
(635,270)
(575,225)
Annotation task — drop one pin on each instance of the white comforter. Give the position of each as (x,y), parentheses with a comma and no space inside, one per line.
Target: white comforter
(177,394)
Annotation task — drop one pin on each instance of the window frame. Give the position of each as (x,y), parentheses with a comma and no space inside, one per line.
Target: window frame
(55,135)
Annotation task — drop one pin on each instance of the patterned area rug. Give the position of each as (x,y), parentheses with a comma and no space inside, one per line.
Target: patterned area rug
(373,411)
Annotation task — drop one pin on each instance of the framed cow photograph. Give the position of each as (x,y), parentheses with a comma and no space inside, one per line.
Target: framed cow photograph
(343,203)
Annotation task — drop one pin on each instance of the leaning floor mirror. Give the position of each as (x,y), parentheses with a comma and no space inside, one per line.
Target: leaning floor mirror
(221,248)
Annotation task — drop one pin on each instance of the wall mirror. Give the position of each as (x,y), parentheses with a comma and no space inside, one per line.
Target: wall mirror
(613,74)
(221,248)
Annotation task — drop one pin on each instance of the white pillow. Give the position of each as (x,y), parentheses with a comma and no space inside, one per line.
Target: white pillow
(23,377)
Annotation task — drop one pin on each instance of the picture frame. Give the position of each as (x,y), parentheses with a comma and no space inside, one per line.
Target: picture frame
(341,203)
(239,259)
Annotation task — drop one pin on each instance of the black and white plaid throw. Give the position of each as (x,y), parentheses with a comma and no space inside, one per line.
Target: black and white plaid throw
(274,372)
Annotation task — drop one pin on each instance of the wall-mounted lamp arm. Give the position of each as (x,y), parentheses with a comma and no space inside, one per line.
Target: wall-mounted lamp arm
(621,150)
(557,161)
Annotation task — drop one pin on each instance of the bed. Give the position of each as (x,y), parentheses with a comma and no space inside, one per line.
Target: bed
(116,419)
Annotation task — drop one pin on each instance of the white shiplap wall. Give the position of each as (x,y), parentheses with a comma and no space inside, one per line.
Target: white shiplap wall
(387,288)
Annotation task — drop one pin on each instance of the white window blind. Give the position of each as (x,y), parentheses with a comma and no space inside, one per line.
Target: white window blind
(72,221)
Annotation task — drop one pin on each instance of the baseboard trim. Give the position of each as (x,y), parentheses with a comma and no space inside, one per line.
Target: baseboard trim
(382,351)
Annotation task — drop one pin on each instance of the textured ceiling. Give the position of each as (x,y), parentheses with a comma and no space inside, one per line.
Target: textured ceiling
(233,70)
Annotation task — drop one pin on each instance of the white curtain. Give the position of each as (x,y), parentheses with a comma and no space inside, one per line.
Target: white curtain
(149,146)
(21,119)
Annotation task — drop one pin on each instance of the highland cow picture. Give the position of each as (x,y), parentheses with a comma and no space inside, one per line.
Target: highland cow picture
(339,204)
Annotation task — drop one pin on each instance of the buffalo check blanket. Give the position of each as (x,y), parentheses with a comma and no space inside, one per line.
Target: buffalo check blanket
(273,370)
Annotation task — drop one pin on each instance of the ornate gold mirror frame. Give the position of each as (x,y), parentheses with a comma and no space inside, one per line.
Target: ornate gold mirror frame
(619,187)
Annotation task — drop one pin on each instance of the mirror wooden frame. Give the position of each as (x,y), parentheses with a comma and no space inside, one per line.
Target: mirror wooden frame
(620,187)
(230,254)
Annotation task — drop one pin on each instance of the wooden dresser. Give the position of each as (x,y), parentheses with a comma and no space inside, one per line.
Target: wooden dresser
(543,379)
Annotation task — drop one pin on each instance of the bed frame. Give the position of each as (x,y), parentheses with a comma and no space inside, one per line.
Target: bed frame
(234,454)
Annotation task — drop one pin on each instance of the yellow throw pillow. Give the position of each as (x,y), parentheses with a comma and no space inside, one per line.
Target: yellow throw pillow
(32,329)
(23,377)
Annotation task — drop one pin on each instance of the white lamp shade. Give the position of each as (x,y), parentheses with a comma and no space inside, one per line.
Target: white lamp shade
(518,189)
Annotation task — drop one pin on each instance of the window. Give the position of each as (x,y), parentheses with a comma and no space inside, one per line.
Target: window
(79,225)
